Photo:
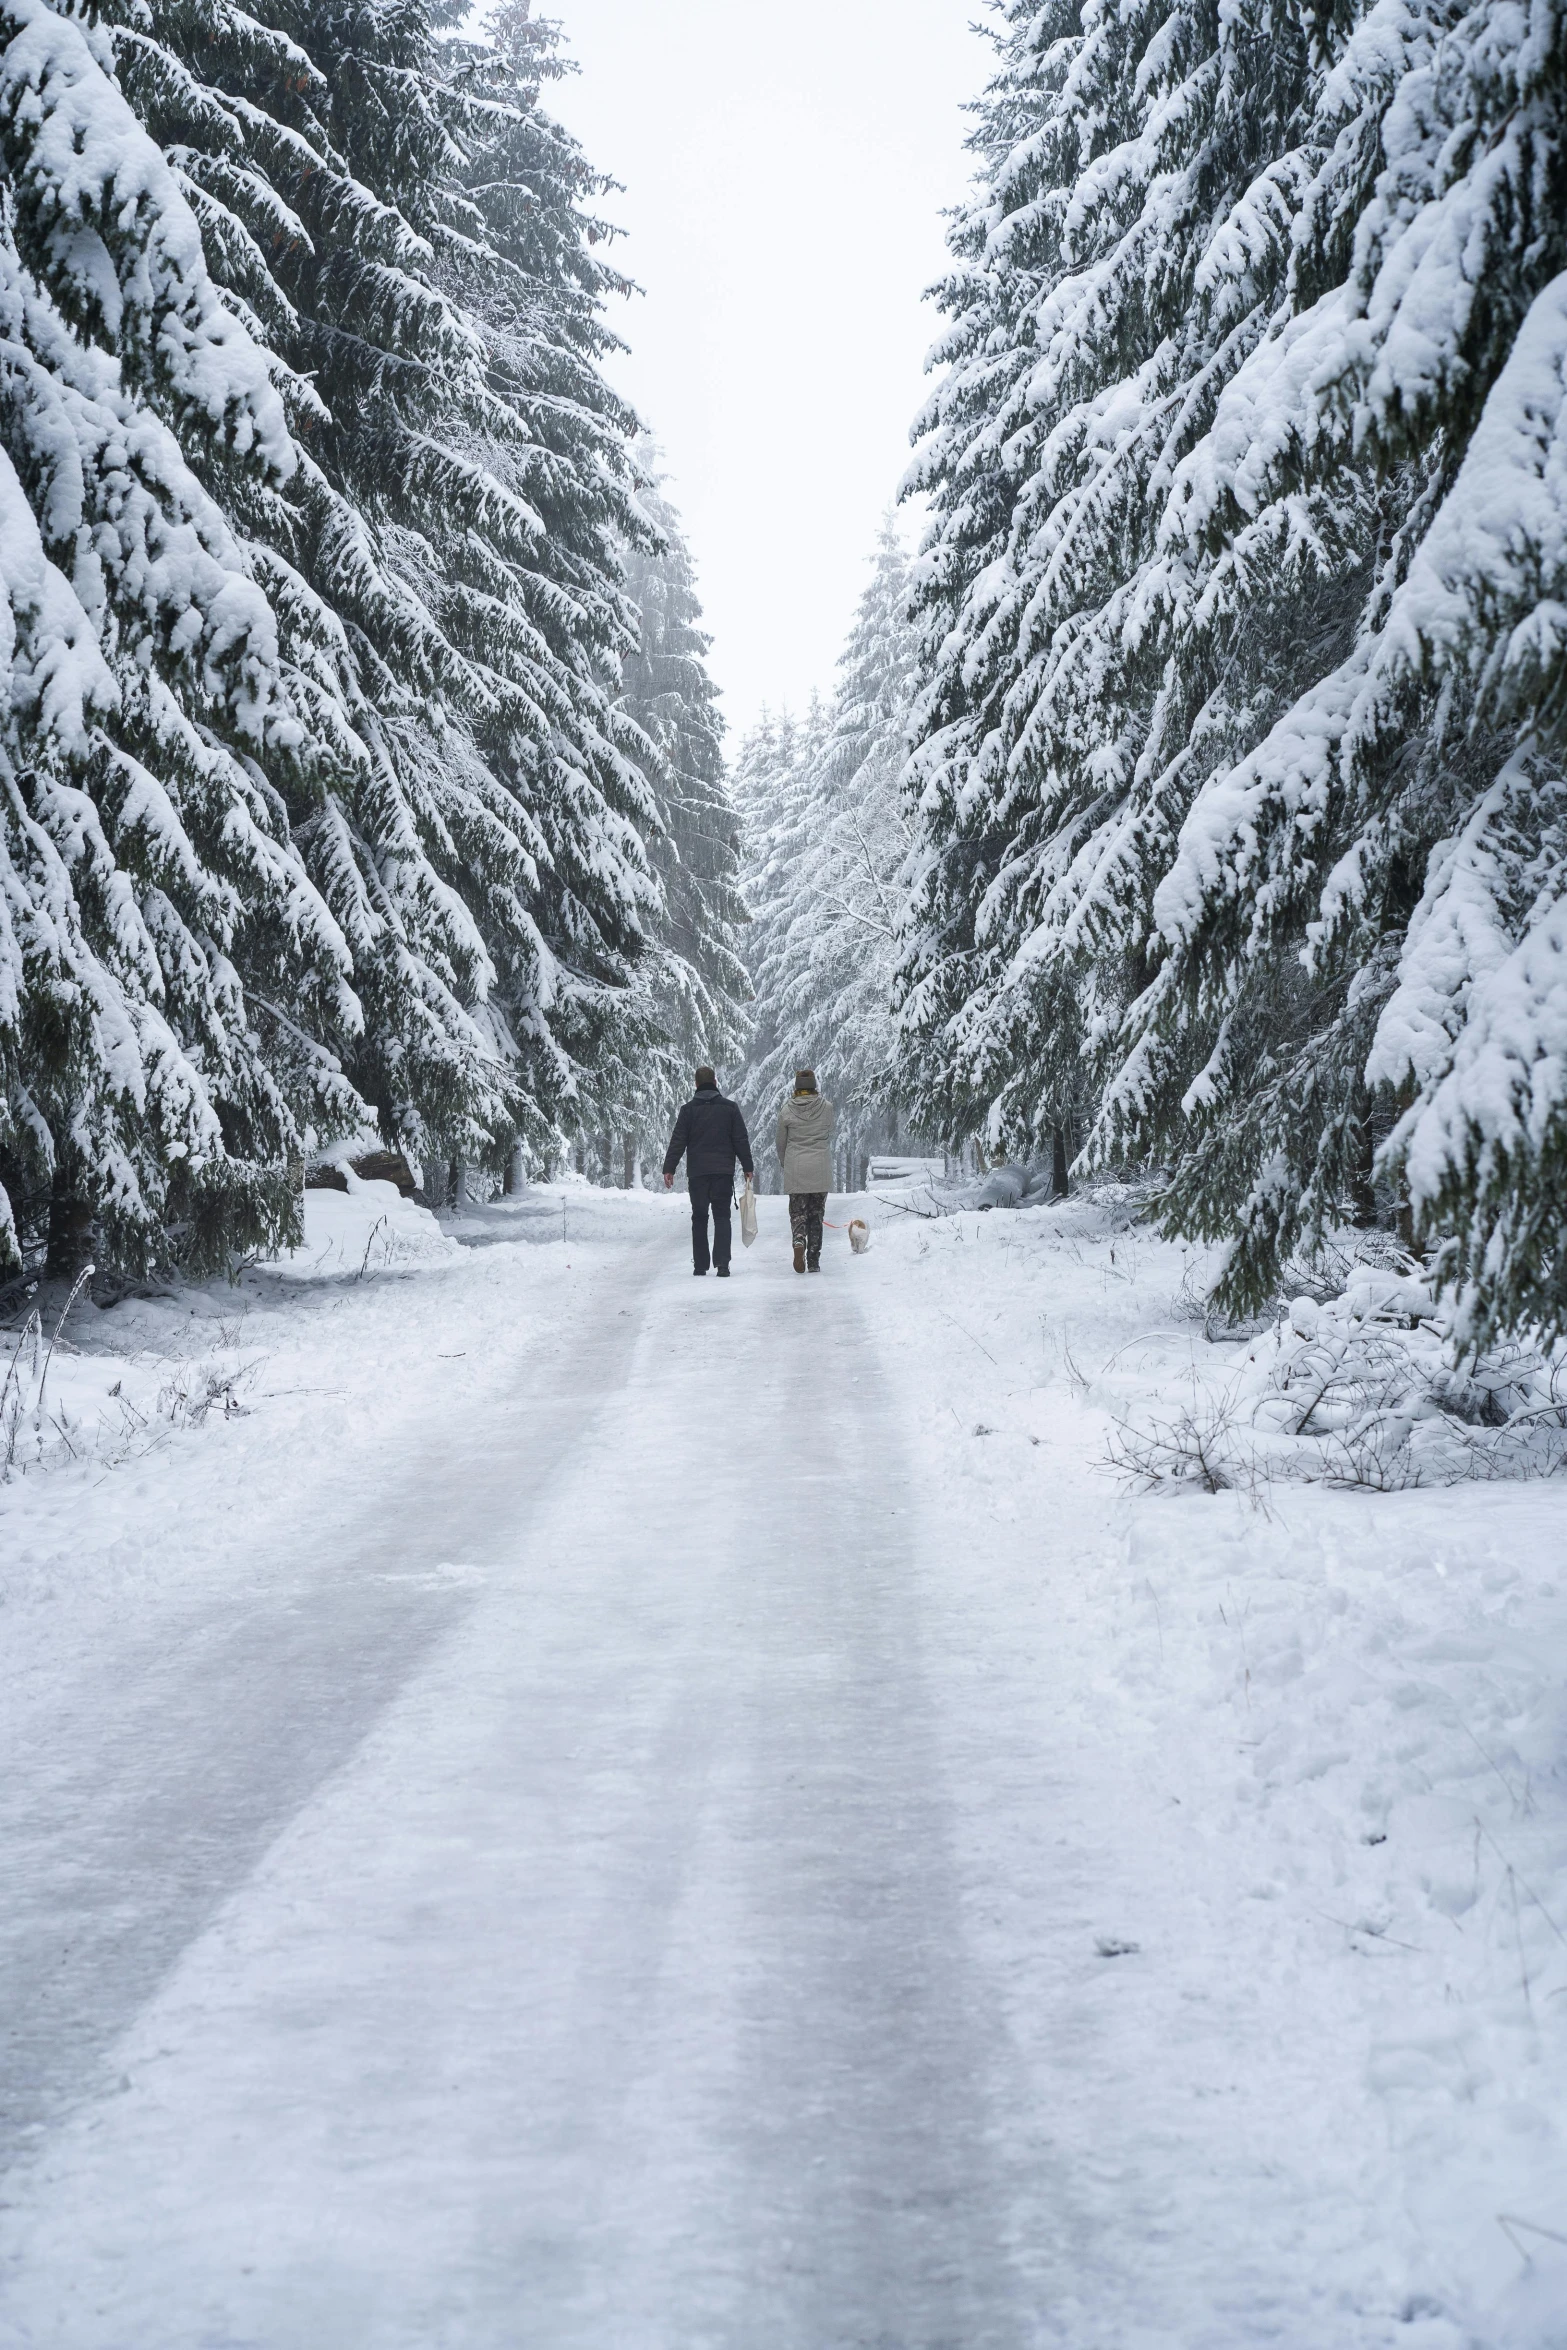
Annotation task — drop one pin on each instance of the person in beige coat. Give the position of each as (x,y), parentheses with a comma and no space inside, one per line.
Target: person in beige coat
(804,1141)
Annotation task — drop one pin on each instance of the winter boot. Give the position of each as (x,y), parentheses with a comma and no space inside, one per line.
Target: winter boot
(799,1256)
(723,1272)
(813,1264)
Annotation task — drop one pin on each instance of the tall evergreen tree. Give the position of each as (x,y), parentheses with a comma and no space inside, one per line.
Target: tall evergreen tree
(1386,854)
(691,985)
(171,981)
(1223,379)
(770,781)
(320,787)
(1123,150)
(407,226)
(833,854)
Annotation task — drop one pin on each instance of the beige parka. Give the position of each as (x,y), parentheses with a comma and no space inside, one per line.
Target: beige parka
(804,1140)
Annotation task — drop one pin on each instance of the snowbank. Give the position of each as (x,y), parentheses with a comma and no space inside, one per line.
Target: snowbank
(368,1228)
(1363,1387)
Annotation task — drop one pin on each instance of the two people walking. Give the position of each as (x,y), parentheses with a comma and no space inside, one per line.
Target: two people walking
(710,1136)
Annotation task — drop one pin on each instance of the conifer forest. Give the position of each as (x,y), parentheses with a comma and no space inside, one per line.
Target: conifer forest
(1190,796)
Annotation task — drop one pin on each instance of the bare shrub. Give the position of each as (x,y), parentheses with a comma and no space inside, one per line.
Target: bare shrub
(198,1389)
(1363,1388)
(40,1430)
(1199,1445)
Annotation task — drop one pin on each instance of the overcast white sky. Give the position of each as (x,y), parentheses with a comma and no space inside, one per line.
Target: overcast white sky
(785,170)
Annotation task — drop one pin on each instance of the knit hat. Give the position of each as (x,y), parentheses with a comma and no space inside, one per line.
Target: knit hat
(706,1077)
(805,1081)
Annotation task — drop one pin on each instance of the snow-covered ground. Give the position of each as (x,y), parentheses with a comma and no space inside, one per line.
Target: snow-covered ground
(542,1802)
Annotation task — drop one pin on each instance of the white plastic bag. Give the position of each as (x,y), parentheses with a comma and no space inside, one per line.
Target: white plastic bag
(747,1216)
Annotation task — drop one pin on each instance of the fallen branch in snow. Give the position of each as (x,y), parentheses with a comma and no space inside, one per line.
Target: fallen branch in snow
(968,1334)
(186,1400)
(903,1208)
(1508,2220)
(378,1226)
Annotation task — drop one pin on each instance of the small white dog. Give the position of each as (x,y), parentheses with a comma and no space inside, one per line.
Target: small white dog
(859,1235)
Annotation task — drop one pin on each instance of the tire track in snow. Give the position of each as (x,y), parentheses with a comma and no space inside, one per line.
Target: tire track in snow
(150,1792)
(615,1993)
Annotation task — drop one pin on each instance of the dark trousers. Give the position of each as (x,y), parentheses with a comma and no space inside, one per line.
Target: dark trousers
(715,1192)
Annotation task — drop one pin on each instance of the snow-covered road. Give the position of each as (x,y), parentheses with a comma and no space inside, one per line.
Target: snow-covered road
(619,1811)
(537,1915)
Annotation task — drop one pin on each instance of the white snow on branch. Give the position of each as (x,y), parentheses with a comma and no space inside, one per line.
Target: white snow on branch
(120,233)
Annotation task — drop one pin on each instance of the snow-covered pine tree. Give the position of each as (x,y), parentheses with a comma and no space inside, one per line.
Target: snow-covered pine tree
(770,782)
(1218,363)
(827,972)
(170,980)
(404,223)
(1121,149)
(1362,918)
(691,985)
(573,755)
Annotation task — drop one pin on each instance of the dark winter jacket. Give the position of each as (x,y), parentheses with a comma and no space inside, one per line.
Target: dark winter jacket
(713,1131)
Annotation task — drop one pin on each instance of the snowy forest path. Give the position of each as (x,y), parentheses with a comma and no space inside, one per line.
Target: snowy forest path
(563,1943)
(161,1771)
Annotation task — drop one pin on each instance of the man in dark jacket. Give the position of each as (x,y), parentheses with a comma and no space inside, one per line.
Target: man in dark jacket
(709,1135)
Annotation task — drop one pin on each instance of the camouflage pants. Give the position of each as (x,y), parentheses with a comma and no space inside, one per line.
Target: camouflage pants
(805,1222)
